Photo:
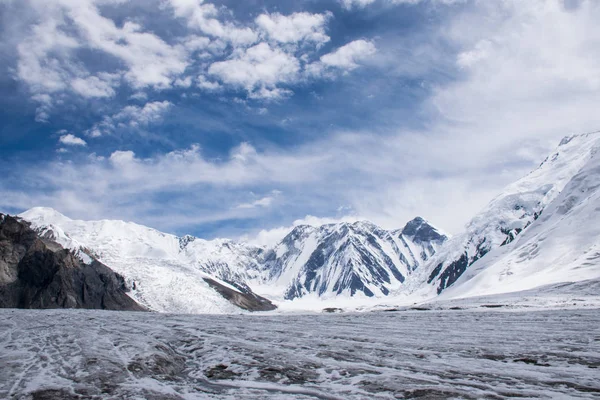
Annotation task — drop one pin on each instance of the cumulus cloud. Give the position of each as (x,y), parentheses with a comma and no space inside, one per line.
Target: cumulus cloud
(258,69)
(203,16)
(47,55)
(262,57)
(350,4)
(72,140)
(348,56)
(506,88)
(270,237)
(294,28)
(345,58)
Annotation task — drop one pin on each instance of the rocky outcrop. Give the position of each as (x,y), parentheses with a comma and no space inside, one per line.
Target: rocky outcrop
(39,273)
(242,298)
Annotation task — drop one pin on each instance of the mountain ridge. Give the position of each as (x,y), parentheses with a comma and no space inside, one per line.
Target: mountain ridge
(510,213)
(416,262)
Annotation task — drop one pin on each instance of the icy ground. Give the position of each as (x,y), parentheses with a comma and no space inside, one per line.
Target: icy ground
(71,354)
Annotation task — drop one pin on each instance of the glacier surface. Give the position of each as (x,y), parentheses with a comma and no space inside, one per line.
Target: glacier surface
(74,354)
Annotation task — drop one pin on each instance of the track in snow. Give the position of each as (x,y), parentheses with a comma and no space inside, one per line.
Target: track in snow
(73,354)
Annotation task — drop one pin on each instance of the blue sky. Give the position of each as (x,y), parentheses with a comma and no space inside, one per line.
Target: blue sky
(241,119)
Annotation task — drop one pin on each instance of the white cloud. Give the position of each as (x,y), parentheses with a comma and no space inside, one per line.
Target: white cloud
(40,57)
(205,84)
(270,237)
(94,86)
(518,83)
(294,28)
(263,202)
(258,69)
(47,60)
(348,56)
(345,58)
(72,140)
(141,96)
(122,158)
(132,117)
(349,4)
(202,16)
(508,88)
(263,57)
(44,100)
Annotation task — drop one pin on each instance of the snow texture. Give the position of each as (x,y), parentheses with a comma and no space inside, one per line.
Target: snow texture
(72,354)
(165,273)
(349,258)
(541,230)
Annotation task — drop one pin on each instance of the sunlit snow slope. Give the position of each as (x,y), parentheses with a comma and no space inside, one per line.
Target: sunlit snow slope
(166,273)
(543,229)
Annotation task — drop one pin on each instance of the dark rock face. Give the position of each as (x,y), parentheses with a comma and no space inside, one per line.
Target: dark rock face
(39,273)
(422,232)
(353,258)
(245,299)
(456,268)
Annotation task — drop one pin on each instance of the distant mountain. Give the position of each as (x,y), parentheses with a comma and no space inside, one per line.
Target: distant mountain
(349,258)
(37,272)
(542,229)
(181,274)
(165,273)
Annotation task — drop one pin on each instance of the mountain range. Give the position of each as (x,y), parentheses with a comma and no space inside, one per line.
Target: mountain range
(540,230)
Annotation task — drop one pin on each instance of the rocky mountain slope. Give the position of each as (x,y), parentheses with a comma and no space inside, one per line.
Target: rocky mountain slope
(172,274)
(349,258)
(542,229)
(39,273)
(165,273)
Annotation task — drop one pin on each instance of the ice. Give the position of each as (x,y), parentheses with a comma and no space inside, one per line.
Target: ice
(460,354)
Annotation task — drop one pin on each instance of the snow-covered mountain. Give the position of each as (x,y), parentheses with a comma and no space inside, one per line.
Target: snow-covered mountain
(166,273)
(349,258)
(173,274)
(542,229)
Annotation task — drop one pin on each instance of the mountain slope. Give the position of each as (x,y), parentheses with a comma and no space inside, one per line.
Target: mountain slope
(166,273)
(515,212)
(39,273)
(344,258)
(562,245)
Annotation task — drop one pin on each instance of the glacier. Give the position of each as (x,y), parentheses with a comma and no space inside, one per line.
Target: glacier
(458,354)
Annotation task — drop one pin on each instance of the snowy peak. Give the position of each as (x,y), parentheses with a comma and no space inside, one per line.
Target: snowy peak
(511,213)
(422,232)
(561,245)
(44,215)
(349,258)
(165,272)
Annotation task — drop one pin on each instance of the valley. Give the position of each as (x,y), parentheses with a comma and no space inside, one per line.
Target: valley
(76,354)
